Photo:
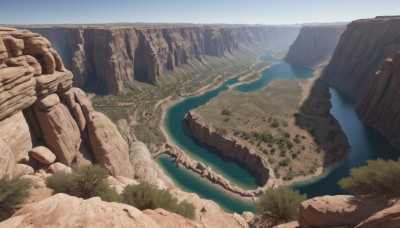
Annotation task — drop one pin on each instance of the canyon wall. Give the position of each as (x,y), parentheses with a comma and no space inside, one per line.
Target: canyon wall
(43,119)
(315,45)
(365,65)
(361,51)
(105,58)
(229,147)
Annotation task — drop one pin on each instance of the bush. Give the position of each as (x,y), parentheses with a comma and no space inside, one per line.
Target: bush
(147,196)
(378,177)
(281,203)
(226,112)
(13,192)
(85,182)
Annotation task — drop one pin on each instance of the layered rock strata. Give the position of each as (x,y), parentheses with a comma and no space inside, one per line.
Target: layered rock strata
(39,107)
(229,147)
(314,46)
(105,58)
(365,65)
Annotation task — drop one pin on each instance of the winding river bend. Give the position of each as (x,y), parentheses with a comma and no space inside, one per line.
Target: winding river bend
(366,143)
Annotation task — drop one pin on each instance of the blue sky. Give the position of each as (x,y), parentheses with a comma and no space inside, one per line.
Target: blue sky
(192,11)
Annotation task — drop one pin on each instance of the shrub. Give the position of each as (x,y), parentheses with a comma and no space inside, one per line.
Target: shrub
(377,177)
(13,192)
(147,196)
(281,202)
(85,182)
(226,112)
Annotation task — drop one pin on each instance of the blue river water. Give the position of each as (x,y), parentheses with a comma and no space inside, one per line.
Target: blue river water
(366,143)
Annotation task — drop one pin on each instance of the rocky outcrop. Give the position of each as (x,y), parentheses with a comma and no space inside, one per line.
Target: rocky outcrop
(39,107)
(105,58)
(67,211)
(379,105)
(365,65)
(314,46)
(361,51)
(339,210)
(389,217)
(229,147)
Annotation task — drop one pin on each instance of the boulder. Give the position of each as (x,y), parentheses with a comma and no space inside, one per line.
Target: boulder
(108,146)
(59,167)
(60,131)
(167,219)
(14,131)
(339,210)
(22,169)
(388,218)
(6,160)
(141,161)
(43,155)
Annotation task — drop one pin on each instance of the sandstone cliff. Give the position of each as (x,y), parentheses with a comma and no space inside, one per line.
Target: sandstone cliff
(315,45)
(361,68)
(379,105)
(362,49)
(39,107)
(228,147)
(105,58)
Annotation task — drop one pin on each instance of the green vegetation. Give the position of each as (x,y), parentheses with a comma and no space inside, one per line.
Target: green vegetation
(85,182)
(91,180)
(281,203)
(140,102)
(377,177)
(226,112)
(13,192)
(146,196)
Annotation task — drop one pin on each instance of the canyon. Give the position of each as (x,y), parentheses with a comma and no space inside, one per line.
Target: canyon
(314,46)
(365,66)
(105,58)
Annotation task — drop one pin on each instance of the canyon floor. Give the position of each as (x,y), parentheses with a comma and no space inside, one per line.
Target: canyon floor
(266,122)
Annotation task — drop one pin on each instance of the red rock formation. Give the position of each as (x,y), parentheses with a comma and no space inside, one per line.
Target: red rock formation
(362,49)
(39,107)
(361,68)
(228,147)
(105,58)
(314,45)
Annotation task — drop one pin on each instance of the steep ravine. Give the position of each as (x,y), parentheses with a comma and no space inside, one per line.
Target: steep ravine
(105,58)
(365,65)
(315,45)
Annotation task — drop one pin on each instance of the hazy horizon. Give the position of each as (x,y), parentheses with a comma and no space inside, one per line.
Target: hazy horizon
(285,12)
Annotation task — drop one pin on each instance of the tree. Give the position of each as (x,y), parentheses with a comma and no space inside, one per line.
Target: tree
(377,177)
(281,203)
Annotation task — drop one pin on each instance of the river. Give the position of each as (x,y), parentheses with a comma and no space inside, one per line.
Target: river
(366,143)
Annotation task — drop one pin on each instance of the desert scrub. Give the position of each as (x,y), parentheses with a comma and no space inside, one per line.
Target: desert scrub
(85,182)
(13,192)
(147,196)
(281,203)
(377,177)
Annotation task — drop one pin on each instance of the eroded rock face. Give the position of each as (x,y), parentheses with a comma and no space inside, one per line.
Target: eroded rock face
(339,210)
(362,49)
(141,160)
(365,65)
(39,107)
(67,211)
(104,58)
(108,146)
(379,105)
(314,45)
